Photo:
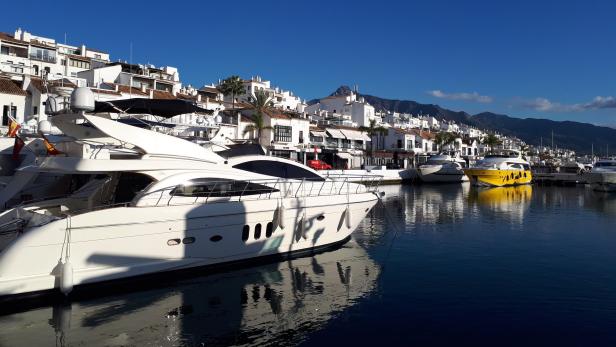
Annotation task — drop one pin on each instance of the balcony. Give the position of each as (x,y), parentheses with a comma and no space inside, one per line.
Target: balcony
(44,58)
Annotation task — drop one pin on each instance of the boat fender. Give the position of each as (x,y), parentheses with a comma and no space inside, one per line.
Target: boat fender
(66,278)
(280,215)
(347,217)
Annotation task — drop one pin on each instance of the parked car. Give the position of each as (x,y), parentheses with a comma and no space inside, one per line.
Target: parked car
(319,165)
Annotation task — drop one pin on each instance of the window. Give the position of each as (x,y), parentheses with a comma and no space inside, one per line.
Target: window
(219,187)
(282,133)
(43,54)
(258,231)
(278,169)
(245,233)
(36,69)
(269,229)
(4,50)
(399,143)
(80,64)
(35,110)
(5,114)
(47,70)
(301,136)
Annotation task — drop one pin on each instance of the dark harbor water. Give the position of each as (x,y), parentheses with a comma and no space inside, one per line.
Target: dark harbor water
(432,265)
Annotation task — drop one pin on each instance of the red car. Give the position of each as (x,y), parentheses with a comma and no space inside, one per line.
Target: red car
(319,165)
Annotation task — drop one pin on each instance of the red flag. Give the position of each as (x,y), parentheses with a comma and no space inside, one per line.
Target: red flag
(19,144)
(13,128)
(51,150)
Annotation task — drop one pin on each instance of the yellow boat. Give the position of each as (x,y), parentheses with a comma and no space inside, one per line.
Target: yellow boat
(506,168)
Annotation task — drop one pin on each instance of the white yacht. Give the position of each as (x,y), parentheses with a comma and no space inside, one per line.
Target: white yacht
(602,176)
(443,167)
(157,203)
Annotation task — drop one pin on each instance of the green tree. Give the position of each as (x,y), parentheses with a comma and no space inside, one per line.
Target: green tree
(231,86)
(442,139)
(373,130)
(260,103)
(491,140)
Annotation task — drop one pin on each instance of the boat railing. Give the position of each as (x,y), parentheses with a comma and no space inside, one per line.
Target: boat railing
(211,191)
(224,190)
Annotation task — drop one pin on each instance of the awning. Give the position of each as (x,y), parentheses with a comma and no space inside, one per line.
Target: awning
(352,134)
(366,137)
(318,133)
(345,156)
(157,107)
(335,133)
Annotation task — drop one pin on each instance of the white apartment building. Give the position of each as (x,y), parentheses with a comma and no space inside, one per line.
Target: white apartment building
(282,99)
(23,53)
(416,140)
(165,78)
(361,112)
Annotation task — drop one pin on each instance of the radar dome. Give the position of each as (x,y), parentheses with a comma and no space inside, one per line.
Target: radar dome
(82,99)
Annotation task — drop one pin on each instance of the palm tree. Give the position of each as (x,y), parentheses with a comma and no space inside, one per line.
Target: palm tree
(231,86)
(442,139)
(373,130)
(260,103)
(491,140)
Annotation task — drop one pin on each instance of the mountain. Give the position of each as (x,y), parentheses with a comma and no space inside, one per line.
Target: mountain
(567,134)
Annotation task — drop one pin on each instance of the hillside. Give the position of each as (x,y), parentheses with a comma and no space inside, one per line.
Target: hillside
(574,135)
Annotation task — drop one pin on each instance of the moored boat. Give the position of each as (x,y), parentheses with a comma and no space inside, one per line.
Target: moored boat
(602,176)
(158,203)
(505,168)
(443,168)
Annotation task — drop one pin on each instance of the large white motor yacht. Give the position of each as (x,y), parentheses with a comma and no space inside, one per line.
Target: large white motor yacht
(602,176)
(157,203)
(443,168)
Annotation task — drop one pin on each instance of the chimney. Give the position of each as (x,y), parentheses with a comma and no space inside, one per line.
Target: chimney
(17,35)
(83,50)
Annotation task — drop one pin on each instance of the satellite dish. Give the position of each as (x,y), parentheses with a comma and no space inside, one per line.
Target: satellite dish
(82,99)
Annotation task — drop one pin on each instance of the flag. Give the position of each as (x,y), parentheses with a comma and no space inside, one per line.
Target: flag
(19,144)
(51,150)
(13,128)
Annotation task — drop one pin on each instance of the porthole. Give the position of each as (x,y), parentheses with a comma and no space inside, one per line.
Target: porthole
(215,238)
(173,242)
(188,240)
(320,218)
(268,229)
(258,231)
(245,233)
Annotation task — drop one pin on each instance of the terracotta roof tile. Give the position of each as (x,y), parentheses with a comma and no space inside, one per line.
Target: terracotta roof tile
(9,38)
(9,86)
(160,94)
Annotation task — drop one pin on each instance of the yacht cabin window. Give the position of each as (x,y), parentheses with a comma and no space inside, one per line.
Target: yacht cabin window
(219,187)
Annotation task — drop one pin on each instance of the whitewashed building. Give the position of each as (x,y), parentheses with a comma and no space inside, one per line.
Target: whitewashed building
(360,111)
(282,99)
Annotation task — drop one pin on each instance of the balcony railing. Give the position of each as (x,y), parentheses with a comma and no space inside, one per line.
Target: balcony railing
(46,59)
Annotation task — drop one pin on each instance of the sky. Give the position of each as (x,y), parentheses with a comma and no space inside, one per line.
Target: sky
(541,59)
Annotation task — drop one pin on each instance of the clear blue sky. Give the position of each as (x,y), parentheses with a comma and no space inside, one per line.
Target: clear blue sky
(550,59)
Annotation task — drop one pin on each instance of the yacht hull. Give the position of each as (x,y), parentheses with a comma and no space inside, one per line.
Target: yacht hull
(601,181)
(498,178)
(126,242)
(440,174)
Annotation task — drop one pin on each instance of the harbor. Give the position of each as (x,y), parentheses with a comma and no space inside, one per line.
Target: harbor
(292,174)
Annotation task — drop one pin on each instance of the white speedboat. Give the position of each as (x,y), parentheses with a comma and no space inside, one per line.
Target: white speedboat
(443,168)
(157,204)
(602,177)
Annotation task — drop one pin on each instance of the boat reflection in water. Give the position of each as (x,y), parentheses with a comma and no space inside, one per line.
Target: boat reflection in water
(426,204)
(259,305)
(509,202)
